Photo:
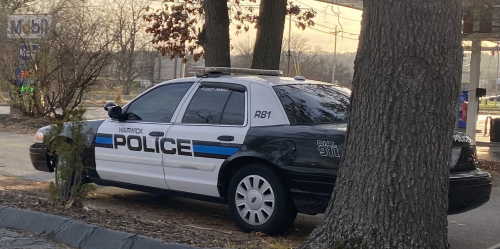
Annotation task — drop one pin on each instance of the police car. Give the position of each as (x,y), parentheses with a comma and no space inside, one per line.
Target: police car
(267,146)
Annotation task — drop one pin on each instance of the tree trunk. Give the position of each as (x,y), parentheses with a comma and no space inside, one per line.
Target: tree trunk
(216,34)
(270,26)
(392,189)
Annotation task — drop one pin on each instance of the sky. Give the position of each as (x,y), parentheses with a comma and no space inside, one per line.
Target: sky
(321,34)
(349,20)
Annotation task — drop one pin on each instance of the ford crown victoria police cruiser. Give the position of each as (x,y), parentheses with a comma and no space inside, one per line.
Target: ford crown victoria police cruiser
(268,146)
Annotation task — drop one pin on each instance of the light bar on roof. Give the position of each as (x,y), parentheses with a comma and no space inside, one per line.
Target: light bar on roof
(232,70)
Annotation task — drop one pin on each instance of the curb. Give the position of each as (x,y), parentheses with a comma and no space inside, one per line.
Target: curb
(77,234)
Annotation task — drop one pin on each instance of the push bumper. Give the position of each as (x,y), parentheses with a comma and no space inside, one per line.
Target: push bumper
(468,190)
(39,158)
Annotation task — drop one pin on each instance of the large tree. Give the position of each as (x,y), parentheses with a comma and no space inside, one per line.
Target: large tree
(182,28)
(392,188)
(270,27)
(215,35)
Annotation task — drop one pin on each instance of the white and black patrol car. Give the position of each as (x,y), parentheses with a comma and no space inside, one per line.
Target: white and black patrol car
(267,146)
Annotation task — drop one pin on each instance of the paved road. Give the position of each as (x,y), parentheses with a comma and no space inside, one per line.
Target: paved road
(14,240)
(477,229)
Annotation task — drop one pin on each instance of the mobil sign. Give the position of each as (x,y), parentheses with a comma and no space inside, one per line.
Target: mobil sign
(28,26)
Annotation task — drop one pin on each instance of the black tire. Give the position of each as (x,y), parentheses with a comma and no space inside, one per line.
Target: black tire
(284,211)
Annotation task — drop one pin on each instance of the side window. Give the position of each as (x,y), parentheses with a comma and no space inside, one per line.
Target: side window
(216,104)
(234,113)
(158,105)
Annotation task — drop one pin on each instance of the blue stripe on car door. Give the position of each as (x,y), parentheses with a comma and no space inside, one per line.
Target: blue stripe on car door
(214,149)
(103,140)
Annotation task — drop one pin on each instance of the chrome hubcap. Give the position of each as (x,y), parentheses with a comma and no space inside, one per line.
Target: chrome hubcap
(255,200)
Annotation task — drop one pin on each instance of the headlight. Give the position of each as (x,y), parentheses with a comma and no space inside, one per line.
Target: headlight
(455,155)
(39,137)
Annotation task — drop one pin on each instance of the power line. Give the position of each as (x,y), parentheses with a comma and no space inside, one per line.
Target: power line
(339,31)
(328,13)
(329,32)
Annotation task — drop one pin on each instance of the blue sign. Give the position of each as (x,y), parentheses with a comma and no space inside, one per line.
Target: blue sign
(27,51)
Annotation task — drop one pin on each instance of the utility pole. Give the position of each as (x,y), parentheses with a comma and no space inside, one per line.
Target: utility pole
(289,38)
(475,64)
(334,57)
(497,80)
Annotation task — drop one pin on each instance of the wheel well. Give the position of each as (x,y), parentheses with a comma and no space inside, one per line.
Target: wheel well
(232,167)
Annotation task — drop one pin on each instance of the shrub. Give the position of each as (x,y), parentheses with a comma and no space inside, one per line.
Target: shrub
(66,142)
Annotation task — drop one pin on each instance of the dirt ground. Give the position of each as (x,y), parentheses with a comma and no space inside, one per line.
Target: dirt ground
(22,125)
(493,168)
(171,219)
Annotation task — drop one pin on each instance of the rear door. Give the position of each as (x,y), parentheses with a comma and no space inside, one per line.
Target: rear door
(211,126)
(130,151)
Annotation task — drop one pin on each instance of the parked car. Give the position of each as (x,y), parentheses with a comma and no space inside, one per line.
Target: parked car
(267,146)
(493,98)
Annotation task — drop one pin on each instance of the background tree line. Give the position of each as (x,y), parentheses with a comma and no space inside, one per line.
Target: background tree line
(90,45)
(311,62)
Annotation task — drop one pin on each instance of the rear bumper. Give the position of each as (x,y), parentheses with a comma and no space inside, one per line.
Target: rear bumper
(39,158)
(311,193)
(468,190)
(311,189)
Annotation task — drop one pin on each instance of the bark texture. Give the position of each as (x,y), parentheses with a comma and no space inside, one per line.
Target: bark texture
(392,190)
(216,34)
(270,26)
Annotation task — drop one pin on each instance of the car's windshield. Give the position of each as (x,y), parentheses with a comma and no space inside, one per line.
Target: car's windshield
(314,103)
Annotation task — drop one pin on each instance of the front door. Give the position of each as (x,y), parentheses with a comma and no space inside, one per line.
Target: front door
(210,128)
(130,151)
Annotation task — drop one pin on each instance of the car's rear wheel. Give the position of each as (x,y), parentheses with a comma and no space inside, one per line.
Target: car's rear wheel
(259,202)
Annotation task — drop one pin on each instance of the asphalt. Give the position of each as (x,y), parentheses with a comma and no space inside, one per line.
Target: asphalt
(476,229)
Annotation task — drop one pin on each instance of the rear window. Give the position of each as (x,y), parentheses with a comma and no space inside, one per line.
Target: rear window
(314,103)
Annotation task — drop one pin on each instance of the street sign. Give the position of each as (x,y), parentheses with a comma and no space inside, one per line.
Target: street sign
(465,87)
(27,51)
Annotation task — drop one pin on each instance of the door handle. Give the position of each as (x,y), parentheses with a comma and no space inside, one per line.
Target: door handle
(226,138)
(157,134)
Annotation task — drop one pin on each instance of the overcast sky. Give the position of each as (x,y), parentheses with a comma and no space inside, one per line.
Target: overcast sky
(322,33)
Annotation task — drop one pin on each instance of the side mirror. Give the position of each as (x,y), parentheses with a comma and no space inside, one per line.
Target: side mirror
(115,112)
(108,105)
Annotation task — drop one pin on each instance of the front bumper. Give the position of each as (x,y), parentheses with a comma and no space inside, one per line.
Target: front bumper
(39,158)
(468,190)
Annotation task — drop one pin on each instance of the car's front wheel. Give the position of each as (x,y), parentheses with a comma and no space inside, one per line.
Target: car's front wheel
(259,202)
